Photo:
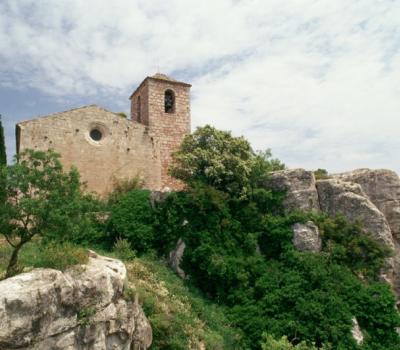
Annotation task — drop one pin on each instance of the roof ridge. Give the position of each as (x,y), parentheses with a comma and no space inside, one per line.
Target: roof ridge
(62,112)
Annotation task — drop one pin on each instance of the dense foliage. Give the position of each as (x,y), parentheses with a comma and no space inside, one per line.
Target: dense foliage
(239,252)
(216,158)
(43,200)
(132,218)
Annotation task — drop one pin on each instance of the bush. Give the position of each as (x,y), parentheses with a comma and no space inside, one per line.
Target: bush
(60,256)
(270,343)
(123,186)
(132,218)
(123,250)
(321,174)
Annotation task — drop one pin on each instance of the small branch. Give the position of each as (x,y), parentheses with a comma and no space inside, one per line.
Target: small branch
(9,242)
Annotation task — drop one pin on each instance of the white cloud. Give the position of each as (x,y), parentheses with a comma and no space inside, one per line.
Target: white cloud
(317,81)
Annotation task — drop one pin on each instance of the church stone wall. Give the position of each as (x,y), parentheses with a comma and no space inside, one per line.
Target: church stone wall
(143,92)
(127,148)
(170,128)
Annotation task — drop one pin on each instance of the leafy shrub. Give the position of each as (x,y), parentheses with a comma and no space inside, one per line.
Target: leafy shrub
(348,244)
(123,186)
(85,315)
(123,250)
(321,174)
(60,256)
(270,343)
(132,218)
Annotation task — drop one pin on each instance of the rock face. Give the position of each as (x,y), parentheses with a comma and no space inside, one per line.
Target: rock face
(356,332)
(80,309)
(371,197)
(348,198)
(175,258)
(306,237)
(300,186)
(383,189)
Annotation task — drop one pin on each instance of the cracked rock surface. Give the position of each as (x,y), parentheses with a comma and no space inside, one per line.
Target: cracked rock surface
(79,309)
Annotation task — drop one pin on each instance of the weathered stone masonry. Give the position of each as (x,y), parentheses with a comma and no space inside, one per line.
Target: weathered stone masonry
(105,146)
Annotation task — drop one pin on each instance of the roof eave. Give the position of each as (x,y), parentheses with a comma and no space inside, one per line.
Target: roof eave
(160,80)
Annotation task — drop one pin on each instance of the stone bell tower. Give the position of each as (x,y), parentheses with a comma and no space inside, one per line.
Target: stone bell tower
(163,105)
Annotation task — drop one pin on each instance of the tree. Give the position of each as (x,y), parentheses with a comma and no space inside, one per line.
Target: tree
(3,155)
(3,161)
(41,200)
(218,159)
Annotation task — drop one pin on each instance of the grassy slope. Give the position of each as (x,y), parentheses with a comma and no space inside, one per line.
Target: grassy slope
(181,318)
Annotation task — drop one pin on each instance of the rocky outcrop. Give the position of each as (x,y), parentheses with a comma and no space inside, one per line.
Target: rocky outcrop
(80,309)
(300,187)
(356,332)
(383,189)
(370,197)
(175,258)
(306,237)
(348,198)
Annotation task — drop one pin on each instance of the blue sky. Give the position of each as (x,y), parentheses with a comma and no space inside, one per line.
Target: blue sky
(316,81)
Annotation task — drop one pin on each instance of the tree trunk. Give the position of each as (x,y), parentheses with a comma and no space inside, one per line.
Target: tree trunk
(12,268)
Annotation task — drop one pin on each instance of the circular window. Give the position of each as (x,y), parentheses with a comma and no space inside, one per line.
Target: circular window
(96,134)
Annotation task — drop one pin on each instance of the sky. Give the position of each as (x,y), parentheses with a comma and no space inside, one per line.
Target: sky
(316,81)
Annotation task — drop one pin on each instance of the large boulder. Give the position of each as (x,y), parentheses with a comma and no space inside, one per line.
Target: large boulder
(82,308)
(383,189)
(306,237)
(300,187)
(347,198)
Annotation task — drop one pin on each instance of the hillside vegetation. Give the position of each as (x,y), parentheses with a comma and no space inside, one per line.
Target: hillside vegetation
(247,287)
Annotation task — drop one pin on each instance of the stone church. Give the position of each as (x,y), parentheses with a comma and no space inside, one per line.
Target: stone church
(106,147)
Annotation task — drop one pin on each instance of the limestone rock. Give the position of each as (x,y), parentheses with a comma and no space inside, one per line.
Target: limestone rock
(356,332)
(306,237)
(175,258)
(300,187)
(81,308)
(347,198)
(383,189)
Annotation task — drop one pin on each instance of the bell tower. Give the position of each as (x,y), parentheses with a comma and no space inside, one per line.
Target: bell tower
(163,105)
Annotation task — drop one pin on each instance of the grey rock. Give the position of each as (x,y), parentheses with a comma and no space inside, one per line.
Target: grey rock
(300,186)
(306,237)
(175,258)
(347,198)
(383,189)
(356,332)
(81,308)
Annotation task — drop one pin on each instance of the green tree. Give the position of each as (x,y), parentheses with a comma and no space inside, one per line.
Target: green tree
(3,155)
(3,162)
(41,200)
(218,159)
